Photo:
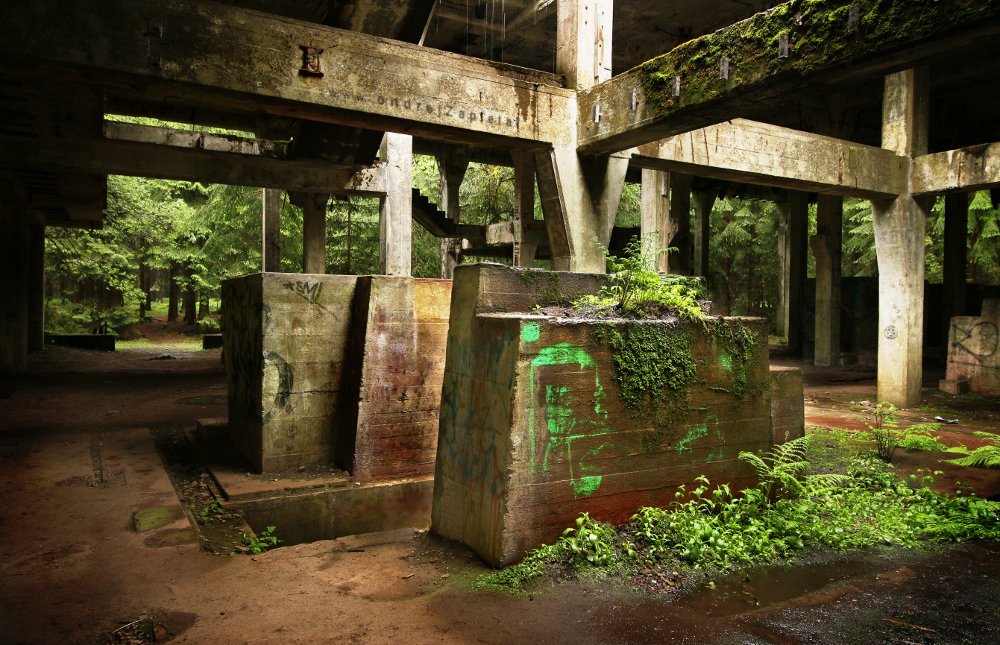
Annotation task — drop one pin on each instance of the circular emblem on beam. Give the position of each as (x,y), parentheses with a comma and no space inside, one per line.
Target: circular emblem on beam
(891,332)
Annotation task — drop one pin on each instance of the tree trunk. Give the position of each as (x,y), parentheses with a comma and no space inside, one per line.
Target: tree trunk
(142,287)
(190,306)
(203,306)
(174,293)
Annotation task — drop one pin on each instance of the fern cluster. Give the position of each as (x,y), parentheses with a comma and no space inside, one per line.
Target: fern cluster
(987,456)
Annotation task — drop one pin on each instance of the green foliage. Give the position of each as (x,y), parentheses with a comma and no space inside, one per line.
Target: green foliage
(781,473)
(743,256)
(636,290)
(792,508)
(884,427)
(987,456)
(261,541)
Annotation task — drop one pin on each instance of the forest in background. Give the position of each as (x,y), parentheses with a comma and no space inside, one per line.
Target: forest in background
(175,242)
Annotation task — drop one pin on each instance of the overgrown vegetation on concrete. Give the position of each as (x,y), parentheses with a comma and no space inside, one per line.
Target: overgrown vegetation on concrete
(809,497)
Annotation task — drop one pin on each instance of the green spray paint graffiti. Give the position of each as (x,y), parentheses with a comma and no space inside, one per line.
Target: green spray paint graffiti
(531,332)
(562,425)
(696,432)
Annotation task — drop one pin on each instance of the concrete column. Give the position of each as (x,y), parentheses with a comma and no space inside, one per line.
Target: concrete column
(793,216)
(36,287)
(654,213)
(14,279)
(314,233)
(524,204)
(679,217)
(704,201)
(826,247)
(956,252)
(580,201)
(580,196)
(271,226)
(899,242)
(452,166)
(395,223)
(583,37)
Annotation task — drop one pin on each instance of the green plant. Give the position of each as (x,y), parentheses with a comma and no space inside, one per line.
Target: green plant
(262,541)
(782,471)
(205,515)
(636,290)
(883,428)
(987,456)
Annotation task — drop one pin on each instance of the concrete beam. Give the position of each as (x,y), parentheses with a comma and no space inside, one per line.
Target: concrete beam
(161,161)
(768,155)
(963,170)
(691,86)
(227,57)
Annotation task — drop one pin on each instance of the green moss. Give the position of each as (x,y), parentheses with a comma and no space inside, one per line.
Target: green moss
(654,368)
(818,37)
(738,342)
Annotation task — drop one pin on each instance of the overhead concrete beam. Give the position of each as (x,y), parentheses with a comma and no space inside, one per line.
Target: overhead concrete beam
(159,161)
(121,131)
(691,86)
(963,170)
(227,57)
(759,153)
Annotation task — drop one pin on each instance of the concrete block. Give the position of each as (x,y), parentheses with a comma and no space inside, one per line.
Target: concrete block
(787,403)
(330,369)
(953,387)
(96,342)
(211,341)
(286,336)
(973,354)
(534,429)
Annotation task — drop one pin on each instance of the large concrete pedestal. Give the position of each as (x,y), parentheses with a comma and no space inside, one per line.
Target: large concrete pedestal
(327,369)
(535,428)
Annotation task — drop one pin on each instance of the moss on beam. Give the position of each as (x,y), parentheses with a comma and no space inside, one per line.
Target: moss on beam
(819,41)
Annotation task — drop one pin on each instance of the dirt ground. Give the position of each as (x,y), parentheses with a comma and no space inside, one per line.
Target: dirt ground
(78,461)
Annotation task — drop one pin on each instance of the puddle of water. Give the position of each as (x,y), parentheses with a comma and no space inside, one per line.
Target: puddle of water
(751,589)
(156,517)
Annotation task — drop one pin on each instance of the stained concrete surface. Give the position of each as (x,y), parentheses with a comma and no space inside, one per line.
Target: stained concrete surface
(73,567)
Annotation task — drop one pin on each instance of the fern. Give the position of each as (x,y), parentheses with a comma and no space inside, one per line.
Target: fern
(782,471)
(982,457)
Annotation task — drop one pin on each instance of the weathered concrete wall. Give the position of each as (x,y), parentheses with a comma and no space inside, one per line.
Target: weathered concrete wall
(973,354)
(398,353)
(534,429)
(787,404)
(284,342)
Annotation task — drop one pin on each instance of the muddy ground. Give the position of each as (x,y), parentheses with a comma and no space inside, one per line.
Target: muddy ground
(78,461)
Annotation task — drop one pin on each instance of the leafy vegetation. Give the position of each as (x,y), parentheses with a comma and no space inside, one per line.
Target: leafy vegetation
(794,507)
(262,541)
(637,290)
(987,456)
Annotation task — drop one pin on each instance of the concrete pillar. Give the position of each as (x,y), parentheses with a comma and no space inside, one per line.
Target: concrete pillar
(793,218)
(956,252)
(704,201)
(14,278)
(36,287)
(654,213)
(271,227)
(452,166)
(679,216)
(395,224)
(900,226)
(580,201)
(524,205)
(580,196)
(583,41)
(826,246)
(314,233)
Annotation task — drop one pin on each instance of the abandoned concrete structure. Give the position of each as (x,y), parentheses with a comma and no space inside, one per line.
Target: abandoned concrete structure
(861,98)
